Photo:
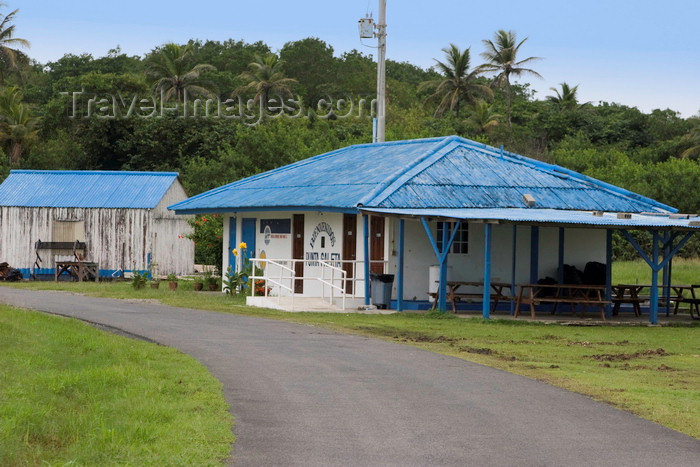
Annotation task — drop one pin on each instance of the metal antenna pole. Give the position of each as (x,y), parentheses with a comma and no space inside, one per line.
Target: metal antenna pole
(381,72)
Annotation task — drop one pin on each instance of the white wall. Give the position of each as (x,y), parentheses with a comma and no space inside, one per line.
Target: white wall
(581,246)
(115,238)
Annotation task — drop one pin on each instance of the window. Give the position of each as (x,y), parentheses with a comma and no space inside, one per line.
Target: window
(68,230)
(460,245)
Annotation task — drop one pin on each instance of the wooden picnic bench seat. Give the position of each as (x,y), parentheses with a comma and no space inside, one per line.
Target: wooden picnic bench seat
(571,294)
(629,293)
(693,301)
(454,295)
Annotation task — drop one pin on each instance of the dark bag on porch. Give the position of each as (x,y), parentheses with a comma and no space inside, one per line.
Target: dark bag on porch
(572,275)
(594,273)
(546,291)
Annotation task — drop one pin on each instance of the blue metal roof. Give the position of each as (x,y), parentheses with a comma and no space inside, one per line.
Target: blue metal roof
(446,172)
(552,216)
(85,189)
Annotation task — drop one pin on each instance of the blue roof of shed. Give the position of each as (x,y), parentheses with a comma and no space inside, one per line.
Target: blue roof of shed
(85,189)
(446,172)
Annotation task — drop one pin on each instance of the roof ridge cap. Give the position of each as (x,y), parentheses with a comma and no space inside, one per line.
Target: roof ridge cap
(388,186)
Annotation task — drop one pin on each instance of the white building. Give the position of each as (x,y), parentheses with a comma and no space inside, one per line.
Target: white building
(519,219)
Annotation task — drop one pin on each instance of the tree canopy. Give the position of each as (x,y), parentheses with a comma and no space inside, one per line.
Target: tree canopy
(85,112)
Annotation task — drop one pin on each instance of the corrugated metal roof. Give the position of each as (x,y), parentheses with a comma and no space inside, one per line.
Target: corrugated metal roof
(85,189)
(447,172)
(553,216)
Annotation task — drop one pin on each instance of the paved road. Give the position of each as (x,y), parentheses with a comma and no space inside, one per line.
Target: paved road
(303,396)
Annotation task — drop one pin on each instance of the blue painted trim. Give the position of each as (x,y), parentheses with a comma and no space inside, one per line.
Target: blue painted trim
(654,295)
(232,243)
(148,265)
(608,270)
(560,273)
(534,253)
(442,302)
(399,283)
(665,272)
(433,243)
(442,257)
(486,302)
(512,270)
(365,234)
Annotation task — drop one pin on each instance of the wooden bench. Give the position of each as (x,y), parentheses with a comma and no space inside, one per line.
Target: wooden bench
(572,294)
(693,301)
(630,293)
(454,295)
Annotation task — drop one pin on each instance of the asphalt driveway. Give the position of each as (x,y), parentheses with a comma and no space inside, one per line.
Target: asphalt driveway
(304,396)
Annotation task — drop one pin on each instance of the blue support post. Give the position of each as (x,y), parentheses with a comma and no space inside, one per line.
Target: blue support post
(512,269)
(442,302)
(534,253)
(399,282)
(654,295)
(560,273)
(655,265)
(486,302)
(442,258)
(365,243)
(665,272)
(608,271)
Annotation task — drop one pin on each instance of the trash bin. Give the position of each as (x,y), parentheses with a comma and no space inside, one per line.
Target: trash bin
(381,289)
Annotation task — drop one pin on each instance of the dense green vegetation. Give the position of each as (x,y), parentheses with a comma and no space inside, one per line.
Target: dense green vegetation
(269,108)
(73,395)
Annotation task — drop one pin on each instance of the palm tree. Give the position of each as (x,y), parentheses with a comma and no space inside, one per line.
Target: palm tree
(265,77)
(567,98)
(482,119)
(458,85)
(173,72)
(694,137)
(501,57)
(18,129)
(8,54)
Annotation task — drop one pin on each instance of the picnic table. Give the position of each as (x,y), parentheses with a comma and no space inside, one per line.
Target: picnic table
(454,293)
(630,293)
(80,270)
(572,294)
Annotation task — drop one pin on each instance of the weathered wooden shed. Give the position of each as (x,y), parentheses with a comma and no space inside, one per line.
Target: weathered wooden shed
(119,219)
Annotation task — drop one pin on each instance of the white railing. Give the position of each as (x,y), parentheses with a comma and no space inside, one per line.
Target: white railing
(325,266)
(278,282)
(287,275)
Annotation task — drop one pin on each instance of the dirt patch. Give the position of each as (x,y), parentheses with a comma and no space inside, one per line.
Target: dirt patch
(588,344)
(629,356)
(480,351)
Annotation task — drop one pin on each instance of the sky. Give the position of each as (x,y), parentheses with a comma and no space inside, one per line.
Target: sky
(638,53)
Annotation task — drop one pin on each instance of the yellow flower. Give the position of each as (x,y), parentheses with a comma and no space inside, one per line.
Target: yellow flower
(235,252)
(242,246)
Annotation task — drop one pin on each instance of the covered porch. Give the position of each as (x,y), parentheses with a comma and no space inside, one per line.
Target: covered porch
(670,232)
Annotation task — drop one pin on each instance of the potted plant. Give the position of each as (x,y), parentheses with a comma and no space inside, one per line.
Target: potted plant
(155,283)
(211,282)
(198,284)
(172,281)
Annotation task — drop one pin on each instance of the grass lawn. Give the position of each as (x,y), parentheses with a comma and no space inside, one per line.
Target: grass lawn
(684,272)
(73,395)
(653,372)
